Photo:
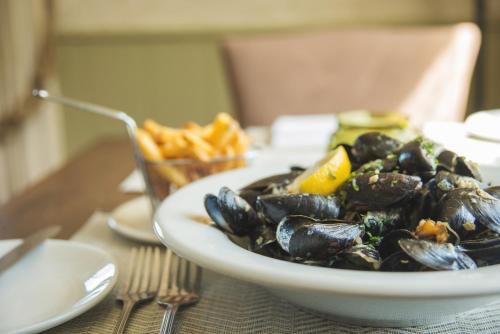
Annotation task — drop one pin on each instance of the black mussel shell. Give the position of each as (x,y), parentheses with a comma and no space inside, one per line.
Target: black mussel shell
(390,242)
(231,213)
(378,166)
(378,191)
(493,191)
(306,238)
(469,211)
(400,261)
(358,257)
(250,196)
(274,181)
(446,160)
(460,165)
(373,145)
(484,252)
(446,181)
(418,157)
(437,256)
(465,167)
(273,208)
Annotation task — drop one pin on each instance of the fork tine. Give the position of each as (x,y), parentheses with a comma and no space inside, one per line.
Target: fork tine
(130,273)
(155,271)
(164,282)
(138,271)
(146,271)
(173,278)
(183,275)
(195,279)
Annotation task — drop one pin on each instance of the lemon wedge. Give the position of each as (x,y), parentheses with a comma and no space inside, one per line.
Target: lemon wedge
(325,176)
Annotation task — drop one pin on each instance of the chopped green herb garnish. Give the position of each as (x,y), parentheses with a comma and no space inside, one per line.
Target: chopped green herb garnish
(355,185)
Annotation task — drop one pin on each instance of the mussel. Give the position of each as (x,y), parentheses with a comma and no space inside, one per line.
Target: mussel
(454,163)
(273,208)
(231,213)
(306,238)
(418,157)
(437,256)
(358,257)
(275,184)
(373,145)
(378,191)
(469,211)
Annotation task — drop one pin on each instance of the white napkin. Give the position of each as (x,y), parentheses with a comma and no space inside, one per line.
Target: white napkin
(303,131)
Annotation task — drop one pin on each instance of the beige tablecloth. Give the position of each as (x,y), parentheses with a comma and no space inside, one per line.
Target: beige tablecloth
(231,306)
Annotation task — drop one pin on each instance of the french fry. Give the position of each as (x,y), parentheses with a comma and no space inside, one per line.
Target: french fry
(199,142)
(147,145)
(223,130)
(167,134)
(153,128)
(158,143)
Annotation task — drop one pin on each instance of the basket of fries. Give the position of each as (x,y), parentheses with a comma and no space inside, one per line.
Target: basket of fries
(174,157)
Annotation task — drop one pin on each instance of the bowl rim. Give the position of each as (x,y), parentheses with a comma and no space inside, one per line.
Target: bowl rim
(212,249)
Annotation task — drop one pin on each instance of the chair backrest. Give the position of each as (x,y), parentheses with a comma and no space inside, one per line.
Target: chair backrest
(424,72)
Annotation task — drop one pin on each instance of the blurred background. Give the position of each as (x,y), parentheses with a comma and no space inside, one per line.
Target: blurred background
(163,60)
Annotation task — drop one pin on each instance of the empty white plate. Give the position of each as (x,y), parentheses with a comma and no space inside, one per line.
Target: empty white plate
(53,284)
(132,220)
(484,124)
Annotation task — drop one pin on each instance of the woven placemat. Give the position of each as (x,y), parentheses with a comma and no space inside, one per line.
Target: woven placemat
(232,306)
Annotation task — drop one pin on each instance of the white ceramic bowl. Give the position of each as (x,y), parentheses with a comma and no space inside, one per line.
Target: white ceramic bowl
(362,297)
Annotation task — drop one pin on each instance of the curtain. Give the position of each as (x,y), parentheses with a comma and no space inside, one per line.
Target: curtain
(30,137)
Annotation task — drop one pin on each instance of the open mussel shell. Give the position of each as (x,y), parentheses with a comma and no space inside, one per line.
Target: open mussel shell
(390,242)
(231,213)
(272,182)
(493,191)
(358,257)
(484,252)
(307,238)
(262,236)
(400,261)
(378,191)
(451,162)
(446,181)
(437,256)
(273,208)
(469,211)
(373,145)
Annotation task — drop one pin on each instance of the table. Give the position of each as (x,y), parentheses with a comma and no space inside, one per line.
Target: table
(89,182)
(69,196)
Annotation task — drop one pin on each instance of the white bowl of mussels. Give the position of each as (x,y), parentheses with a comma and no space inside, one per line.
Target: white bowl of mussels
(408,237)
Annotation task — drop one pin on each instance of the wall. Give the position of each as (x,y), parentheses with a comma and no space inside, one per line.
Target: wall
(160,58)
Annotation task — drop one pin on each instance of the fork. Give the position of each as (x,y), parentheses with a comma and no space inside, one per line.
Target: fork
(141,282)
(179,286)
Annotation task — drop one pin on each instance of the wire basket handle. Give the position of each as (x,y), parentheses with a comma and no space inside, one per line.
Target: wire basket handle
(130,123)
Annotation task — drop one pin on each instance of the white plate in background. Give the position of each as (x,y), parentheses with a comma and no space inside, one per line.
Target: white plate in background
(484,124)
(455,137)
(132,220)
(53,284)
